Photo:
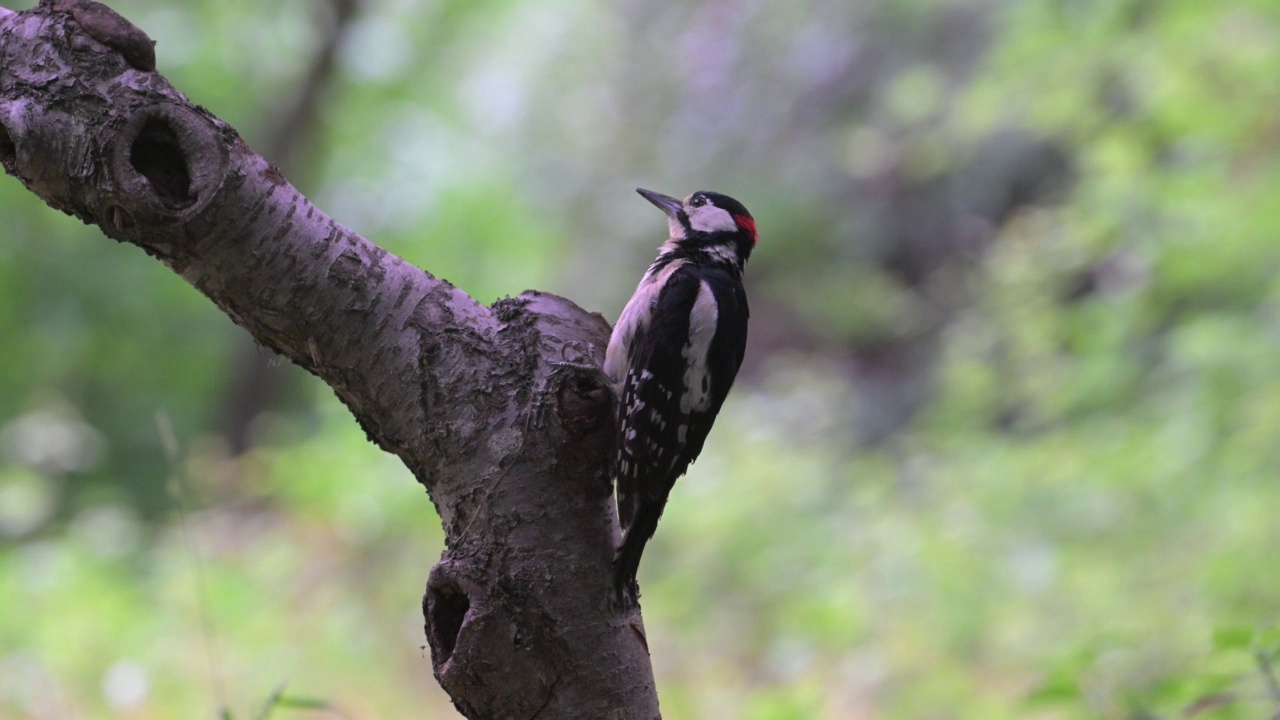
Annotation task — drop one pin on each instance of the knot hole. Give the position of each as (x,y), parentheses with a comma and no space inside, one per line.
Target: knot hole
(8,151)
(445,607)
(157,155)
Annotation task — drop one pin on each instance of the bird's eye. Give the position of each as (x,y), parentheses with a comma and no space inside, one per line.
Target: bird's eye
(697,201)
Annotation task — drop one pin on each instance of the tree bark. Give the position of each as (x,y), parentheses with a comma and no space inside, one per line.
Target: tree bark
(498,411)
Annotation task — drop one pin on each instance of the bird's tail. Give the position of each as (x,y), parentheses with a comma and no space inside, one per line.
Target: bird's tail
(627,562)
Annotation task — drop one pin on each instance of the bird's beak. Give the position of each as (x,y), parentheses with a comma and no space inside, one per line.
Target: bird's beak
(668,205)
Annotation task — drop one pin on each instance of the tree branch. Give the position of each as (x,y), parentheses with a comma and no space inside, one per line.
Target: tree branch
(512,443)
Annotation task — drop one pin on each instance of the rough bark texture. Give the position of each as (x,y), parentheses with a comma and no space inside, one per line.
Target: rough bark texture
(496,410)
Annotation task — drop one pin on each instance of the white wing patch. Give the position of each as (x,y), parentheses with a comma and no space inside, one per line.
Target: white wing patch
(702,328)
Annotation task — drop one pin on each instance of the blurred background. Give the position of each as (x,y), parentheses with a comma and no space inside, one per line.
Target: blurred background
(1005,445)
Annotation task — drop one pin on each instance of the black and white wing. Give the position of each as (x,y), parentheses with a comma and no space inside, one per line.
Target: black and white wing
(651,440)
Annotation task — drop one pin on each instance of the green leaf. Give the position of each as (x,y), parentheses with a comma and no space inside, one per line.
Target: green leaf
(1232,638)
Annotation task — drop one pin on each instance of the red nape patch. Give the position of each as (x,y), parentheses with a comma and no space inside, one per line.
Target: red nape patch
(748,223)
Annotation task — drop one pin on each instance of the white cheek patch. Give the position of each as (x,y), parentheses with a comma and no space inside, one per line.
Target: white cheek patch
(711,219)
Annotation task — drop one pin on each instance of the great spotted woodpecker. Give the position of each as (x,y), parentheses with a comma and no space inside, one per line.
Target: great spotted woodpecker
(672,358)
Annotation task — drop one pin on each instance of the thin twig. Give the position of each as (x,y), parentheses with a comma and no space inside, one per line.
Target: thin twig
(178,490)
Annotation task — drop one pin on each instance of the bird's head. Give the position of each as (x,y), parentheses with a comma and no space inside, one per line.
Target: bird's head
(709,222)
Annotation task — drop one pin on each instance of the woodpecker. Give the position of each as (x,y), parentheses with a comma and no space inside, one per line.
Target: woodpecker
(672,358)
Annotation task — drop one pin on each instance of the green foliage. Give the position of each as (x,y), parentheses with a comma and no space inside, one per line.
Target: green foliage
(290,583)
(1079,522)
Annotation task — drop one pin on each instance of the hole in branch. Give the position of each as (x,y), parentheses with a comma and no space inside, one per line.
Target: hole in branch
(8,151)
(157,155)
(447,607)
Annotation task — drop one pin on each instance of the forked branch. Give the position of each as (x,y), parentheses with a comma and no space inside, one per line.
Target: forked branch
(512,444)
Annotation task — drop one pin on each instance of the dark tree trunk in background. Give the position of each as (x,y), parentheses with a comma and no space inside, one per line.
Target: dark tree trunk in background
(511,443)
(255,382)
